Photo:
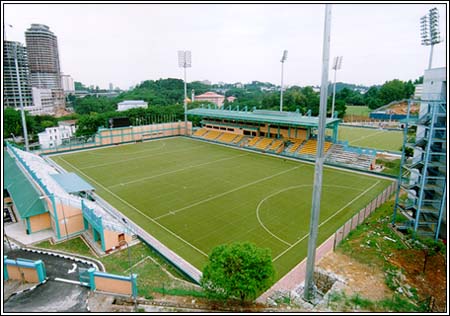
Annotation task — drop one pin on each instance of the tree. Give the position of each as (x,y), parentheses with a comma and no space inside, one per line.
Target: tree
(238,270)
(392,91)
(409,89)
(419,80)
(12,123)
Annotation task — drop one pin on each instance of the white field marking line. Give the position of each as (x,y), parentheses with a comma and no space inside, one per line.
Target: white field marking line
(225,193)
(145,215)
(163,144)
(268,197)
(367,136)
(143,157)
(136,264)
(286,189)
(298,241)
(175,171)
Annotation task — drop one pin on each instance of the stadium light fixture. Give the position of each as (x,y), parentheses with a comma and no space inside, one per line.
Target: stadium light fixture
(309,289)
(283,59)
(429,31)
(185,61)
(337,63)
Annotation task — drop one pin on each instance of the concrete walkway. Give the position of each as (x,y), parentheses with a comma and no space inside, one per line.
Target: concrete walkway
(17,231)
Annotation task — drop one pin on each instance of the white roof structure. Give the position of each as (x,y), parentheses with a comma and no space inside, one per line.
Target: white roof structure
(44,171)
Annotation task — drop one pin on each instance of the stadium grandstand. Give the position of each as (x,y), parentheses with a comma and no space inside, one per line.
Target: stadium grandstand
(287,133)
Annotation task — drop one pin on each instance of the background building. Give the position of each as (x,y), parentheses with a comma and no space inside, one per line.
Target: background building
(55,136)
(43,59)
(211,97)
(128,104)
(42,102)
(67,83)
(10,84)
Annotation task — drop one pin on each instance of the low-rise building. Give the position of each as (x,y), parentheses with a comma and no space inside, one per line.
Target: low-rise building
(56,135)
(214,98)
(131,104)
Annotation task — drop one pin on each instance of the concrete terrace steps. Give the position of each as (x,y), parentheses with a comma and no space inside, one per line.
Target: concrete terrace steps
(275,146)
(294,147)
(338,154)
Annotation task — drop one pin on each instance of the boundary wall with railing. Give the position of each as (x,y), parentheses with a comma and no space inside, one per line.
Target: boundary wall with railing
(121,135)
(294,278)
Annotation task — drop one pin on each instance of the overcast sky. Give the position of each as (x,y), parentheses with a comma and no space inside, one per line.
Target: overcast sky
(127,43)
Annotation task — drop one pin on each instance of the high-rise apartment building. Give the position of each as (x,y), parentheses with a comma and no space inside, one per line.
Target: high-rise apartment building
(67,83)
(43,60)
(10,82)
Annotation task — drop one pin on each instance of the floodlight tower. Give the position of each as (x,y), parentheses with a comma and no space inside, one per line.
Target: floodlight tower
(337,63)
(283,59)
(309,289)
(184,61)
(429,27)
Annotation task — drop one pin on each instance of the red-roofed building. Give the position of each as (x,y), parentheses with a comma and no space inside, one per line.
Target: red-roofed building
(214,98)
(231,99)
(211,97)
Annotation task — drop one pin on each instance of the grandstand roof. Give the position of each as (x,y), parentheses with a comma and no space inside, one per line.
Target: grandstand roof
(263,116)
(25,196)
(71,182)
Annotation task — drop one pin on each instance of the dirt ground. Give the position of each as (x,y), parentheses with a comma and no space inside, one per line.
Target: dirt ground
(402,108)
(431,283)
(367,281)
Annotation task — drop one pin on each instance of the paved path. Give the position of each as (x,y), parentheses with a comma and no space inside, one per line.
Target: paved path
(49,297)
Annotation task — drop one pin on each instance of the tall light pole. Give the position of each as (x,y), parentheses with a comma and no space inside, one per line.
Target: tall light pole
(22,112)
(283,59)
(318,170)
(184,61)
(336,66)
(429,27)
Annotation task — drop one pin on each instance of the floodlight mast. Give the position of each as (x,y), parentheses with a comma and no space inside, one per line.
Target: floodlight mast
(318,170)
(185,61)
(283,59)
(336,66)
(429,27)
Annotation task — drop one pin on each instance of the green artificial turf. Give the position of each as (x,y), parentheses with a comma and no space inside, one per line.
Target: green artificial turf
(372,138)
(194,195)
(357,110)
